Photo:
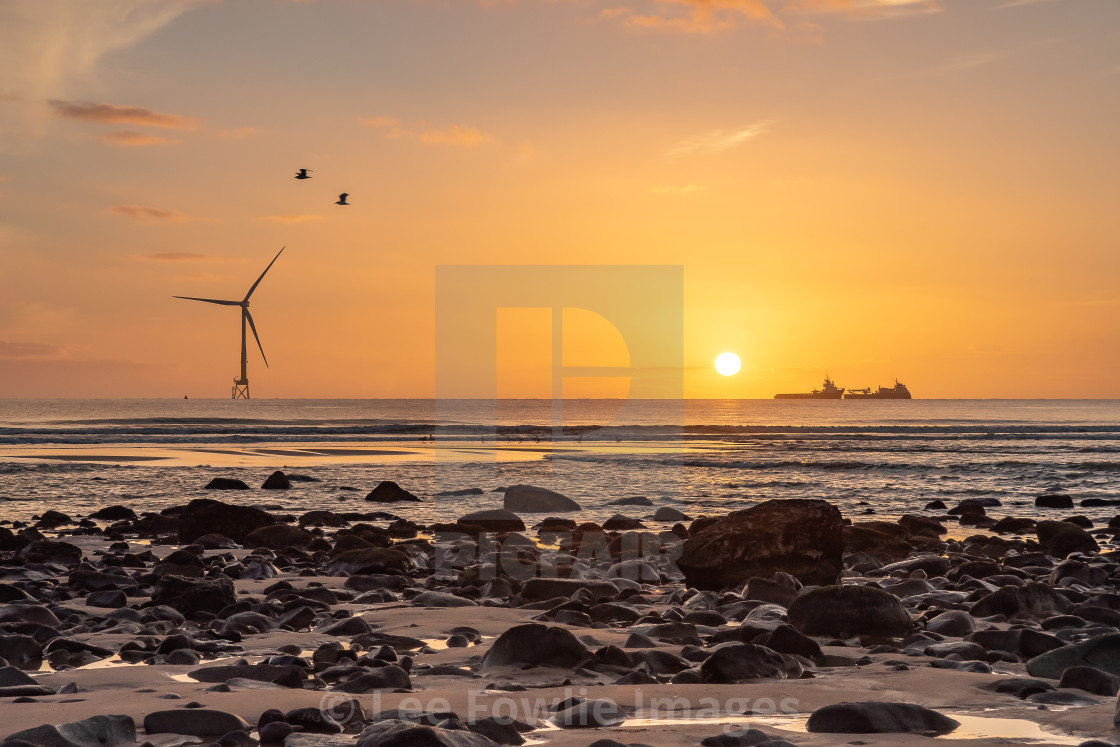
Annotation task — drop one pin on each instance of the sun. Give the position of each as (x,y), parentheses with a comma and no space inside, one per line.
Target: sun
(728,364)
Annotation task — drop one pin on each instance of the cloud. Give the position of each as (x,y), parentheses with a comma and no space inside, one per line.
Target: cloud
(865,9)
(146,214)
(112,114)
(463,135)
(175,257)
(26,349)
(713,16)
(291,218)
(719,140)
(130,139)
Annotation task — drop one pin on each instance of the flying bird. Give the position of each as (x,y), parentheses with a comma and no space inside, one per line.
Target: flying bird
(303,174)
(342,199)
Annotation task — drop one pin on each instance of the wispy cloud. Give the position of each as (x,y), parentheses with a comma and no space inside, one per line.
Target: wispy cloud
(866,9)
(85,111)
(131,139)
(145,214)
(292,218)
(27,349)
(463,135)
(713,16)
(1020,3)
(719,140)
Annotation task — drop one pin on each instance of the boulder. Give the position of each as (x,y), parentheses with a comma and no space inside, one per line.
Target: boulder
(206,516)
(881,539)
(226,483)
(105,731)
(1034,600)
(735,662)
(20,650)
(278,537)
(388,491)
(530,499)
(114,513)
(389,677)
(191,595)
(1053,500)
(277,481)
(802,537)
(1061,539)
(540,589)
(397,733)
(288,675)
(47,551)
(879,718)
(194,722)
(1102,652)
(366,560)
(494,520)
(842,611)
(590,714)
(533,643)
(1091,680)
(668,513)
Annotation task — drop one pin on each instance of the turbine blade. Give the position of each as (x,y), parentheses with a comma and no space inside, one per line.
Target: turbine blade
(255,337)
(209,300)
(270,264)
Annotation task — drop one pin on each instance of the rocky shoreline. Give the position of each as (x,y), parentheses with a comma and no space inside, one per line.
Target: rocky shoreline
(785,623)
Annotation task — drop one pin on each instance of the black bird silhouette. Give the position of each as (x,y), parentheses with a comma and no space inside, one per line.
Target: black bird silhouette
(303,174)
(342,199)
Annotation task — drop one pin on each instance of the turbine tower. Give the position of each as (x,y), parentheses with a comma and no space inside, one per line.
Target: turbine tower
(241,384)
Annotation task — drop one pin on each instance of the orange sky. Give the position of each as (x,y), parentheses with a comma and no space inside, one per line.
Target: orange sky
(865,188)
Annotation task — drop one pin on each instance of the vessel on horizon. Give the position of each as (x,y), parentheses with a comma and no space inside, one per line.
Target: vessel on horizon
(828,391)
(898,391)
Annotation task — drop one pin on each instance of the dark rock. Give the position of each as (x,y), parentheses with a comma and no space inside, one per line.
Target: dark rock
(390,677)
(278,537)
(226,483)
(1034,600)
(537,644)
(955,623)
(668,513)
(1020,687)
(540,589)
(107,731)
(1091,680)
(114,513)
(396,733)
(590,714)
(795,536)
(1053,500)
(190,596)
(1060,539)
(1102,652)
(740,738)
(842,611)
(531,499)
(736,662)
(194,722)
(107,599)
(494,520)
(500,730)
(277,481)
(206,516)
(283,675)
(368,560)
(879,718)
(388,491)
(20,650)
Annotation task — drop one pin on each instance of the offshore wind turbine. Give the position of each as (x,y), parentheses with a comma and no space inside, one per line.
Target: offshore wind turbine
(241,384)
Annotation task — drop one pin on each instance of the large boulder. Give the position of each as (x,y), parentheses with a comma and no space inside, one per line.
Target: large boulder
(365,560)
(494,520)
(391,677)
(735,662)
(20,650)
(104,731)
(540,589)
(533,643)
(1061,539)
(388,491)
(194,722)
(1102,652)
(278,537)
(802,537)
(226,483)
(277,481)
(1033,600)
(882,539)
(192,595)
(397,733)
(879,718)
(206,516)
(842,611)
(530,499)
(287,675)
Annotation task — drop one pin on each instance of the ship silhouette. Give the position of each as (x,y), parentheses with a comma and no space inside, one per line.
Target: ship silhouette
(828,391)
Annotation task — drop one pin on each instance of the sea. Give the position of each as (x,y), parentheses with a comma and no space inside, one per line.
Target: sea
(873,459)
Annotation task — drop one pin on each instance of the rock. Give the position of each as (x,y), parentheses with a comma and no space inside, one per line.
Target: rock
(192,595)
(1034,600)
(590,714)
(1102,652)
(739,738)
(278,537)
(1091,680)
(955,623)
(842,611)
(879,718)
(880,539)
(277,481)
(396,733)
(499,729)
(106,731)
(797,536)
(366,560)
(921,525)
(494,520)
(20,650)
(540,589)
(46,551)
(390,677)
(388,491)
(288,675)
(530,499)
(206,516)
(1061,539)
(1013,525)
(735,662)
(1020,687)
(1053,500)
(620,522)
(114,513)
(52,519)
(274,732)
(668,513)
(781,589)
(226,483)
(537,644)
(194,722)
(108,599)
